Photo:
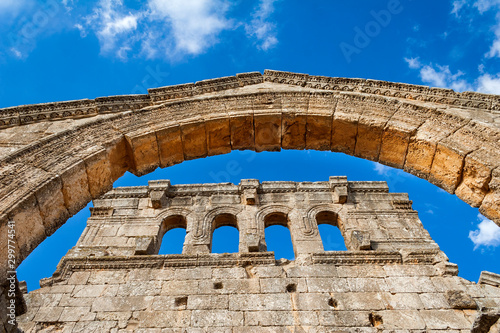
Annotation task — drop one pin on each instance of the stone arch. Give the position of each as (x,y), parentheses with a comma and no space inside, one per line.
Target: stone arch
(264,212)
(332,214)
(206,228)
(170,219)
(310,220)
(450,139)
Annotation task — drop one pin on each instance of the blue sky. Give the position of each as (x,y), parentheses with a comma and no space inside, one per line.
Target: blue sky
(72,49)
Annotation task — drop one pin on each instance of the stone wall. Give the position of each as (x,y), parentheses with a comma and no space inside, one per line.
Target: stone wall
(392,278)
(57,157)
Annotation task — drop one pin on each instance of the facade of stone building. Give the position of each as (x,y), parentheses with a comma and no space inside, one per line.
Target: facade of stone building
(392,278)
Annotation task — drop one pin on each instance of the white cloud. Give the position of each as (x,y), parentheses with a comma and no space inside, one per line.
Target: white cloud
(441,76)
(489,84)
(485,5)
(194,24)
(261,28)
(16,52)
(114,26)
(457,5)
(487,234)
(413,62)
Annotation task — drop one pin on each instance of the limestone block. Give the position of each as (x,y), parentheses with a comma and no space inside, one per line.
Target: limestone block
(402,319)
(489,278)
(170,146)
(179,287)
(267,132)
(359,240)
(30,230)
(459,299)
(370,128)
(99,173)
(490,207)
(51,203)
(144,245)
(218,136)
(476,175)
(242,132)
(75,188)
(445,319)
(232,286)
(208,302)
(107,277)
(326,285)
(214,318)
(344,318)
(270,318)
(48,314)
(281,285)
(403,301)
(120,304)
(145,152)
(266,302)
(78,313)
(164,319)
(293,129)
(194,140)
(318,131)
(140,288)
(344,126)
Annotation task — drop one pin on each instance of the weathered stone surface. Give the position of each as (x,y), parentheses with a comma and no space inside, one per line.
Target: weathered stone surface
(110,281)
(449,138)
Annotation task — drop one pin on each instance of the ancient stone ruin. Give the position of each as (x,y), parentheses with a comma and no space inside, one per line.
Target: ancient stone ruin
(393,276)
(57,157)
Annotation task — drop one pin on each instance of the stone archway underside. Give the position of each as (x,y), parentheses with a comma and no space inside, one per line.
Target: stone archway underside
(56,157)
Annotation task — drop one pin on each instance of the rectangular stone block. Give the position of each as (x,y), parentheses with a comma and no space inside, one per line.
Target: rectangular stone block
(344,318)
(120,304)
(267,132)
(242,132)
(194,140)
(293,128)
(164,319)
(170,146)
(75,188)
(318,131)
(445,319)
(99,173)
(266,302)
(218,136)
(282,285)
(477,173)
(208,302)
(402,319)
(145,152)
(215,318)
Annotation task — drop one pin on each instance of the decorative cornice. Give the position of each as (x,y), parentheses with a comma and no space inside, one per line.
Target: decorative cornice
(26,114)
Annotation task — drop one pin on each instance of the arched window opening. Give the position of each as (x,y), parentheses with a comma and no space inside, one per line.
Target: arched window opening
(331,236)
(225,237)
(278,237)
(172,235)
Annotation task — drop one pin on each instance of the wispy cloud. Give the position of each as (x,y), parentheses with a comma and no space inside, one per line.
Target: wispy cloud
(261,28)
(457,5)
(441,76)
(483,6)
(194,24)
(114,26)
(487,234)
